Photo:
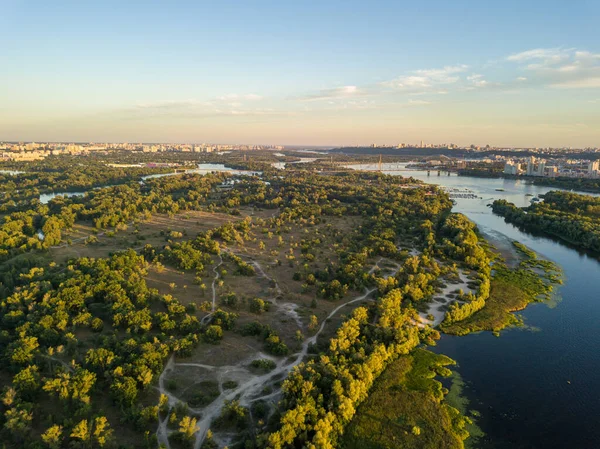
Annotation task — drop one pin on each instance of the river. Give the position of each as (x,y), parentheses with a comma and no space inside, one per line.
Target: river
(204,169)
(11,172)
(302,160)
(534,387)
(201,169)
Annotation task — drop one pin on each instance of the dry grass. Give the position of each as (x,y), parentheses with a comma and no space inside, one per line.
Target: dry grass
(234,348)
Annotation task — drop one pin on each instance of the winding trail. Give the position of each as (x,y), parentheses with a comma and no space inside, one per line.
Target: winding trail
(214,292)
(250,391)
(287,308)
(437,309)
(162,433)
(251,387)
(64,364)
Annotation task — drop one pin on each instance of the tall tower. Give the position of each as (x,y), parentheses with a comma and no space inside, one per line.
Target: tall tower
(531,166)
(541,167)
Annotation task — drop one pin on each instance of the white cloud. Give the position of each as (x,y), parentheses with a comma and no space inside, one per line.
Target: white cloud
(587,55)
(231,100)
(335,93)
(430,79)
(227,105)
(477,80)
(175,104)
(541,54)
(566,68)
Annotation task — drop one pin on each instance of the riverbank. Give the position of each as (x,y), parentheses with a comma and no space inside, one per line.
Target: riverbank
(512,289)
(407,408)
(578,184)
(519,382)
(570,217)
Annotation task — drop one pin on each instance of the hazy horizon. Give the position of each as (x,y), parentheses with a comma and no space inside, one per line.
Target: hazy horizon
(319,73)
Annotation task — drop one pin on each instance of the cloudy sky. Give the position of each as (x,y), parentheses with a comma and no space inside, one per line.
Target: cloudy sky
(513,73)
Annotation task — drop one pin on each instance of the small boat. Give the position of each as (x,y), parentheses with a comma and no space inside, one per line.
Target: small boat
(499,190)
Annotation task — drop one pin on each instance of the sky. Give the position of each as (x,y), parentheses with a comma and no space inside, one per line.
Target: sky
(504,73)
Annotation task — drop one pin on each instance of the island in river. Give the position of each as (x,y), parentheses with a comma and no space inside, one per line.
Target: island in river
(221,309)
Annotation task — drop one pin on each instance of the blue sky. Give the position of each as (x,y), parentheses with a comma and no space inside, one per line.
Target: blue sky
(307,72)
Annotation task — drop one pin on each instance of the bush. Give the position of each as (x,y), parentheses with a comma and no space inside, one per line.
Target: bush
(213,334)
(263,364)
(257,305)
(229,384)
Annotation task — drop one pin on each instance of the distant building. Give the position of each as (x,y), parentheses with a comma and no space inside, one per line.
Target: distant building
(530,166)
(541,168)
(512,168)
(536,167)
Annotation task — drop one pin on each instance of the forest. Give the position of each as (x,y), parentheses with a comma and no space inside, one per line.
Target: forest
(254,311)
(571,217)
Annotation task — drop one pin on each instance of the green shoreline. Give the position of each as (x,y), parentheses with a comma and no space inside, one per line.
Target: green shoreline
(95,302)
(407,408)
(511,290)
(407,389)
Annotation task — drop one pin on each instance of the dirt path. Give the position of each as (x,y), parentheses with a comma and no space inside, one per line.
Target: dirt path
(438,309)
(251,390)
(251,386)
(287,308)
(214,292)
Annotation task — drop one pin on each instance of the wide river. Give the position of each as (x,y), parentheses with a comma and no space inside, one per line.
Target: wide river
(538,387)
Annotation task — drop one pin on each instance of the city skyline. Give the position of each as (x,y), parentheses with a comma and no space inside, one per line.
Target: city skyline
(311,74)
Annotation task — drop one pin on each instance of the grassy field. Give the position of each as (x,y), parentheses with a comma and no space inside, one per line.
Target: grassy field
(277,251)
(406,409)
(505,297)
(512,289)
(136,235)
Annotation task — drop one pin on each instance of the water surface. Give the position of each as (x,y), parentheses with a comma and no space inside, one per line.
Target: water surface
(46,197)
(11,172)
(537,388)
(204,169)
(201,169)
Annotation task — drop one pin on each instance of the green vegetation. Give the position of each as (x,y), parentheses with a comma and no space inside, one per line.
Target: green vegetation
(84,340)
(406,408)
(67,174)
(57,354)
(263,364)
(203,394)
(571,217)
(336,376)
(581,184)
(512,289)
(272,341)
